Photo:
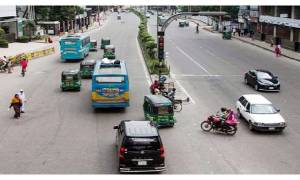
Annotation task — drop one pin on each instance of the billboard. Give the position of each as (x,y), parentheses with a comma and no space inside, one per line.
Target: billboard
(6,11)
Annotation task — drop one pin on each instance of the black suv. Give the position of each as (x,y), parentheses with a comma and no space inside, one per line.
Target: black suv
(139,147)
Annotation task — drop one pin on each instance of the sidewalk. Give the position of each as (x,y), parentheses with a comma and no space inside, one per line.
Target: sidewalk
(284,52)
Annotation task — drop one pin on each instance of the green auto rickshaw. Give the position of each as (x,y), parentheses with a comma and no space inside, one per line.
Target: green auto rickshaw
(181,23)
(70,80)
(87,68)
(93,43)
(186,23)
(109,52)
(104,42)
(226,35)
(159,109)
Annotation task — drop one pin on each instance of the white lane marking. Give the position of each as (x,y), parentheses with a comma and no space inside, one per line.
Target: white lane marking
(143,63)
(183,89)
(191,59)
(204,75)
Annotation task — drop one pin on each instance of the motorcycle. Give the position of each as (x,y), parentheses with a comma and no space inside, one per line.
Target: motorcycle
(229,126)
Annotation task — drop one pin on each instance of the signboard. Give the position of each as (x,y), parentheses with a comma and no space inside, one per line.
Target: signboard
(8,11)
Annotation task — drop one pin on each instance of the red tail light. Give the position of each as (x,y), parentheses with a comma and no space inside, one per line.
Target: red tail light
(162,152)
(121,153)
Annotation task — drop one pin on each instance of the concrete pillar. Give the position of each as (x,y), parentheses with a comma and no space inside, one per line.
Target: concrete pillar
(292,29)
(275,14)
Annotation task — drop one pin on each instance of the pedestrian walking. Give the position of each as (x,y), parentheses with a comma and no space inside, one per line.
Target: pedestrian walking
(239,31)
(242,32)
(16,103)
(272,42)
(24,63)
(9,68)
(23,99)
(277,51)
(233,31)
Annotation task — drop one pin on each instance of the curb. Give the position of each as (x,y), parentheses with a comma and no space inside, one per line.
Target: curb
(256,45)
(265,48)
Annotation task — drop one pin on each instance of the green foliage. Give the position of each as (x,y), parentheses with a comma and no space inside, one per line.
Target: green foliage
(3,43)
(57,13)
(2,32)
(148,47)
(23,39)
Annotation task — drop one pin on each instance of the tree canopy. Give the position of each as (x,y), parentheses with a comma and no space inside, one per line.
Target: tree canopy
(57,13)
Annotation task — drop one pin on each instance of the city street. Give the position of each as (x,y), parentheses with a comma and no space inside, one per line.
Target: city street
(60,133)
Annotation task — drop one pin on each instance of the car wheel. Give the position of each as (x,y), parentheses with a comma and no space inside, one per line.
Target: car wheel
(256,87)
(250,126)
(246,81)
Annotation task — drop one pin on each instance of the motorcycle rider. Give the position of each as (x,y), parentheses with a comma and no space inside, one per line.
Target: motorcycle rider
(5,63)
(223,115)
(154,86)
(197,28)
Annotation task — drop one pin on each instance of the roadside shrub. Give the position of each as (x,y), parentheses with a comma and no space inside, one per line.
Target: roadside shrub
(3,43)
(23,39)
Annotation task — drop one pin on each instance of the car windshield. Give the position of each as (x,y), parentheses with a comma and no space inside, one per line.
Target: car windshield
(263,109)
(263,75)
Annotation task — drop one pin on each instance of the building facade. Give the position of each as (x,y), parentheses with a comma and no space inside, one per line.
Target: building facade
(276,24)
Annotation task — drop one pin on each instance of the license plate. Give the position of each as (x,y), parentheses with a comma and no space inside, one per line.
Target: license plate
(271,128)
(142,163)
(271,87)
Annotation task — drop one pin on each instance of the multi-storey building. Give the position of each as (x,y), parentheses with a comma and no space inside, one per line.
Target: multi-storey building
(277,24)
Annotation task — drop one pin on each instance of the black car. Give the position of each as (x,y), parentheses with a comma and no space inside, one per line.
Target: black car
(262,80)
(139,147)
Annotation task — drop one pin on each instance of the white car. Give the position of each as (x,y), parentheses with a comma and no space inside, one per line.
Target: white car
(259,113)
(148,15)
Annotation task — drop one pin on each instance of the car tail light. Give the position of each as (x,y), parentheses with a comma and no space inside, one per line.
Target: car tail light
(121,153)
(162,151)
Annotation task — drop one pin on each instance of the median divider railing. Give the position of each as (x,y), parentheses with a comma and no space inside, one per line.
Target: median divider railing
(32,54)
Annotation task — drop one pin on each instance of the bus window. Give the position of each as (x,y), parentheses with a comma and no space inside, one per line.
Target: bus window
(111,79)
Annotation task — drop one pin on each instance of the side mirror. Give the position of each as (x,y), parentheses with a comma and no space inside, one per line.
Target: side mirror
(277,109)
(116,127)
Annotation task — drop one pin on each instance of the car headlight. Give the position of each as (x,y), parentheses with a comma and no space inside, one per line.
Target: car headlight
(257,123)
(282,124)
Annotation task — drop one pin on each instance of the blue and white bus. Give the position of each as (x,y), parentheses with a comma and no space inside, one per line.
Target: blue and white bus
(74,46)
(110,85)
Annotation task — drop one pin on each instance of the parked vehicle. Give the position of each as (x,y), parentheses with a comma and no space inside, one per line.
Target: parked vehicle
(109,52)
(87,68)
(119,17)
(162,20)
(139,147)
(93,45)
(74,46)
(105,41)
(181,23)
(229,126)
(70,80)
(226,35)
(148,15)
(159,109)
(262,80)
(259,113)
(110,84)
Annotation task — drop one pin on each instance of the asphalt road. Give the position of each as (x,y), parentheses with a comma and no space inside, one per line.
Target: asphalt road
(61,134)
(211,70)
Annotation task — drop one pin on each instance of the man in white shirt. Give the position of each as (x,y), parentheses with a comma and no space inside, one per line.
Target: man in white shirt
(23,98)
